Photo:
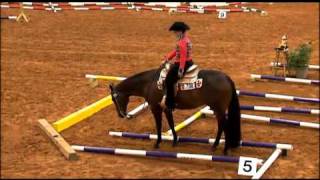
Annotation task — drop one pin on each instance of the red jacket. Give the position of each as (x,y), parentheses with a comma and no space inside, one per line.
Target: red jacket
(182,52)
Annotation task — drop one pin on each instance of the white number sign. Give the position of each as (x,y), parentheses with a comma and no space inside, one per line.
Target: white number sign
(247,166)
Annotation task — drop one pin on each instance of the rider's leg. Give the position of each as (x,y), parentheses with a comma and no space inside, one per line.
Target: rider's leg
(172,78)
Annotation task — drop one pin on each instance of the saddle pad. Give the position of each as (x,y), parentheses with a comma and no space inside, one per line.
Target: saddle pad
(190,86)
(188,82)
(183,86)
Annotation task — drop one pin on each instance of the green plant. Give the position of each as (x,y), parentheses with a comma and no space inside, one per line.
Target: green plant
(300,57)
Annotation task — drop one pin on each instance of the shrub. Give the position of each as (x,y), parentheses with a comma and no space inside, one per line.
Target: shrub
(300,57)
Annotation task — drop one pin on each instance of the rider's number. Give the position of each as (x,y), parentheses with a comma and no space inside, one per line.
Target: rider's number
(247,166)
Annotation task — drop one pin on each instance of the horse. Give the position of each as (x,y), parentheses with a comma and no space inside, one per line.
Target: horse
(218,92)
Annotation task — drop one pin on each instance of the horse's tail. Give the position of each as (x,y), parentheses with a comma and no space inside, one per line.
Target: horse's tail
(233,128)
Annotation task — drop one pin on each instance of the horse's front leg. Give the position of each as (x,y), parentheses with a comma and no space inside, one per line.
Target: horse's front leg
(171,125)
(157,113)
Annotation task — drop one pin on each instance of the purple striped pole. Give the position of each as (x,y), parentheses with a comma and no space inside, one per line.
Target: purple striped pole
(280,109)
(143,106)
(9,17)
(161,154)
(200,140)
(273,120)
(278,96)
(276,78)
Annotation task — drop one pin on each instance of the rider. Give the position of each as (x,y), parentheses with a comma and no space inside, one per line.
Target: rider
(183,60)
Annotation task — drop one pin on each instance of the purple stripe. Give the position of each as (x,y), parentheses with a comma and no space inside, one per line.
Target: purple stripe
(135,135)
(161,154)
(247,93)
(315,81)
(314,100)
(99,150)
(246,107)
(225,159)
(284,121)
(273,77)
(192,139)
(258,144)
(304,111)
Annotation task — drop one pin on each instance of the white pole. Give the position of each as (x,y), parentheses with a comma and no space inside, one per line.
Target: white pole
(138,109)
(267,164)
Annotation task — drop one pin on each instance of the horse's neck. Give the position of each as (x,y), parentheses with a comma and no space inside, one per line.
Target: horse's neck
(138,84)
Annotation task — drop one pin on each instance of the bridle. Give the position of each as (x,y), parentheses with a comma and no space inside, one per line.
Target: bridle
(115,100)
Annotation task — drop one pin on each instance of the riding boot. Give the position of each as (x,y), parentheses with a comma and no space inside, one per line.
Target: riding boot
(170,99)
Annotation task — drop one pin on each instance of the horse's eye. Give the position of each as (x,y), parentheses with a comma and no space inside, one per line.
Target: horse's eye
(114,95)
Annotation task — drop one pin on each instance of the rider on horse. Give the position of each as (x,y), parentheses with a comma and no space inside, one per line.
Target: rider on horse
(218,92)
(183,61)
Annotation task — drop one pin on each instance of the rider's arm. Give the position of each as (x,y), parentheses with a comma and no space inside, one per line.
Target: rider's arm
(183,54)
(171,55)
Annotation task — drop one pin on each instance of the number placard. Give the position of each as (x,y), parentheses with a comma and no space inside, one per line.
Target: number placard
(222,15)
(247,166)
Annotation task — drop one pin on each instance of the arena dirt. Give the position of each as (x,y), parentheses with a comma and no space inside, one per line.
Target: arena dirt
(43,64)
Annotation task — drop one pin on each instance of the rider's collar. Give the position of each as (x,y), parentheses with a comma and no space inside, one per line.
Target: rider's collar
(181,36)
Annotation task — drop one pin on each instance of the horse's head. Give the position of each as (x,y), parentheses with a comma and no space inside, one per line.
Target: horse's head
(120,100)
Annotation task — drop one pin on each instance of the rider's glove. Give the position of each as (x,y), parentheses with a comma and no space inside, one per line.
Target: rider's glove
(165,60)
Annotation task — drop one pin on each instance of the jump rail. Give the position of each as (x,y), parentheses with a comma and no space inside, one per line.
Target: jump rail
(200,140)
(206,111)
(160,154)
(294,80)
(273,120)
(143,106)
(9,17)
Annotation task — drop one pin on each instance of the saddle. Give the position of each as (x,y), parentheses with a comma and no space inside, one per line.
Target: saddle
(189,81)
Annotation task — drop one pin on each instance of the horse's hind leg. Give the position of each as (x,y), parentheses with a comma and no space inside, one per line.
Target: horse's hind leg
(221,118)
(157,113)
(171,125)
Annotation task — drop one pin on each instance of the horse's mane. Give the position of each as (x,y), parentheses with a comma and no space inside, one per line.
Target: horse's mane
(139,79)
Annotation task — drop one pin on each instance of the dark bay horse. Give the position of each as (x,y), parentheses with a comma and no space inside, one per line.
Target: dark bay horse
(218,92)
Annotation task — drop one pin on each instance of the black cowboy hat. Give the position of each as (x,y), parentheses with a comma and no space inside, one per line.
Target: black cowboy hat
(179,26)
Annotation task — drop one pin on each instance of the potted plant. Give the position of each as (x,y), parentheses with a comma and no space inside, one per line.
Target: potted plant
(298,60)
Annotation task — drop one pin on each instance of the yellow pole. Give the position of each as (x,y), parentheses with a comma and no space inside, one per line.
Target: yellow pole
(115,78)
(185,123)
(82,114)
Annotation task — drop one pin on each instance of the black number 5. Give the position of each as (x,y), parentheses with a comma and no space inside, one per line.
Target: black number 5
(247,166)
